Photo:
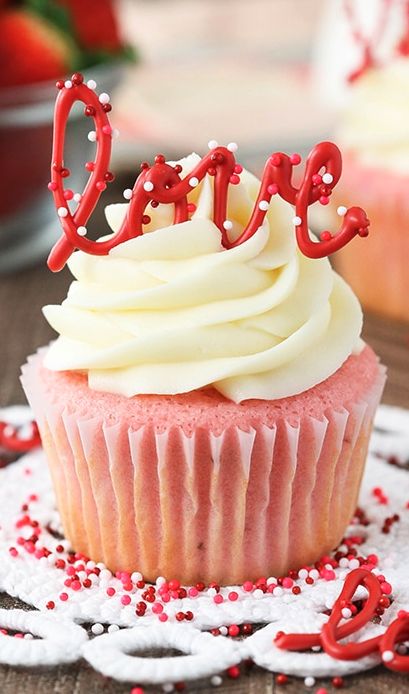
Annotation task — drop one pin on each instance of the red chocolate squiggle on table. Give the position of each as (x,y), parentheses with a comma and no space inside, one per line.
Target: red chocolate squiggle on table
(161,184)
(331,632)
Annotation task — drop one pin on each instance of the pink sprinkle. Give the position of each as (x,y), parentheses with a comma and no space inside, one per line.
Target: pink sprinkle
(193,592)
(137,690)
(328,574)
(165,597)
(39,554)
(322,690)
(248,586)
(238,169)
(68,194)
(234,179)
(316,179)
(100,185)
(107,130)
(324,200)
(125,600)
(295,159)
(71,571)
(19,636)
(29,547)
(218,599)
(163,617)
(272,189)
(157,608)
(111,592)
(64,597)
(76,585)
(233,596)
(174,584)
(288,582)
(52,186)
(386,588)
(13,552)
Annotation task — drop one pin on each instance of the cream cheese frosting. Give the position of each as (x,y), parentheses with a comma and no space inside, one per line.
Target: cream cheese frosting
(375,120)
(172,310)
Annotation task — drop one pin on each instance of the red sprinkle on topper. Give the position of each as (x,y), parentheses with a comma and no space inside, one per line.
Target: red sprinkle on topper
(161,183)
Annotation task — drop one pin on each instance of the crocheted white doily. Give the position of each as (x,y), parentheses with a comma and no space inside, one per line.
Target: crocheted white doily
(107,602)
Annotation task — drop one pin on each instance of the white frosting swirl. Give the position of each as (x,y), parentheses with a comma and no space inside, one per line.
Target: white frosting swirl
(375,121)
(172,310)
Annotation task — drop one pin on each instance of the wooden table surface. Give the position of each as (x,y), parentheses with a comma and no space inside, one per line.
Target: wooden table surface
(23,329)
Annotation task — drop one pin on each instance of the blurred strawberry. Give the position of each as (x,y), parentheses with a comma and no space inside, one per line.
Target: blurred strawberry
(31,49)
(95,24)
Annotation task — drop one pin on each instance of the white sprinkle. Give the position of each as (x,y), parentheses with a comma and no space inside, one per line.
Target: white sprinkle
(303,573)
(193,181)
(112,628)
(297,221)
(136,576)
(344,562)
(263,205)
(270,580)
(216,680)
(127,193)
(342,210)
(115,133)
(387,656)
(227,225)
(212,592)
(258,593)
(77,197)
(160,580)
(91,84)
(82,231)
(232,147)
(316,649)
(92,136)
(223,631)
(329,567)
(28,637)
(8,429)
(314,574)
(327,178)
(277,591)
(97,629)
(346,613)
(62,211)
(354,564)
(148,186)
(309,681)
(104,98)
(68,84)
(212,144)
(168,687)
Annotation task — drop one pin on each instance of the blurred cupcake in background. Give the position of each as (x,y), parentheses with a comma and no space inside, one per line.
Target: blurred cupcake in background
(373,133)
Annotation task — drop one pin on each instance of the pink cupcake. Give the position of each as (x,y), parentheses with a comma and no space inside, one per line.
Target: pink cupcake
(374,136)
(207,406)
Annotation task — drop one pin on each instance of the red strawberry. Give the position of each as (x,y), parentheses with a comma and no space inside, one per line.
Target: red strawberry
(31,49)
(95,24)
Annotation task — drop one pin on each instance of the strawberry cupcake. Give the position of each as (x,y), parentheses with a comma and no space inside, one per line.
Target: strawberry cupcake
(206,408)
(374,136)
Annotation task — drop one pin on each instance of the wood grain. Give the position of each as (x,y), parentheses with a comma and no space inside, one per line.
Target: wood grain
(23,329)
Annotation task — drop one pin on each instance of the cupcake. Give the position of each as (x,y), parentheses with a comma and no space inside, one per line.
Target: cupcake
(206,408)
(374,136)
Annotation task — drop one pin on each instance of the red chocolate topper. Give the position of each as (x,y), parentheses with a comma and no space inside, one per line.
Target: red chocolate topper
(161,183)
(331,632)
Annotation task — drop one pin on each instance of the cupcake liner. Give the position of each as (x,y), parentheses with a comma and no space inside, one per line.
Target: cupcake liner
(377,269)
(224,508)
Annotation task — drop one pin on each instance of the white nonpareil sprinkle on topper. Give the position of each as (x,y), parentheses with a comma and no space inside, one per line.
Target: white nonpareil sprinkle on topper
(297,221)
(327,178)
(62,211)
(232,146)
(68,84)
(212,144)
(227,224)
(148,186)
(92,84)
(82,231)
(127,193)
(104,98)
(92,136)
(342,210)
(263,205)
(193,182)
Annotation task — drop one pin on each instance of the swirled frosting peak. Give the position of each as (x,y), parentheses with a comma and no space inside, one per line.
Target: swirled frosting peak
(172,310)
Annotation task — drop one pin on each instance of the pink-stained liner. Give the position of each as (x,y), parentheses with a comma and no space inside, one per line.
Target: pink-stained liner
(205,506)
